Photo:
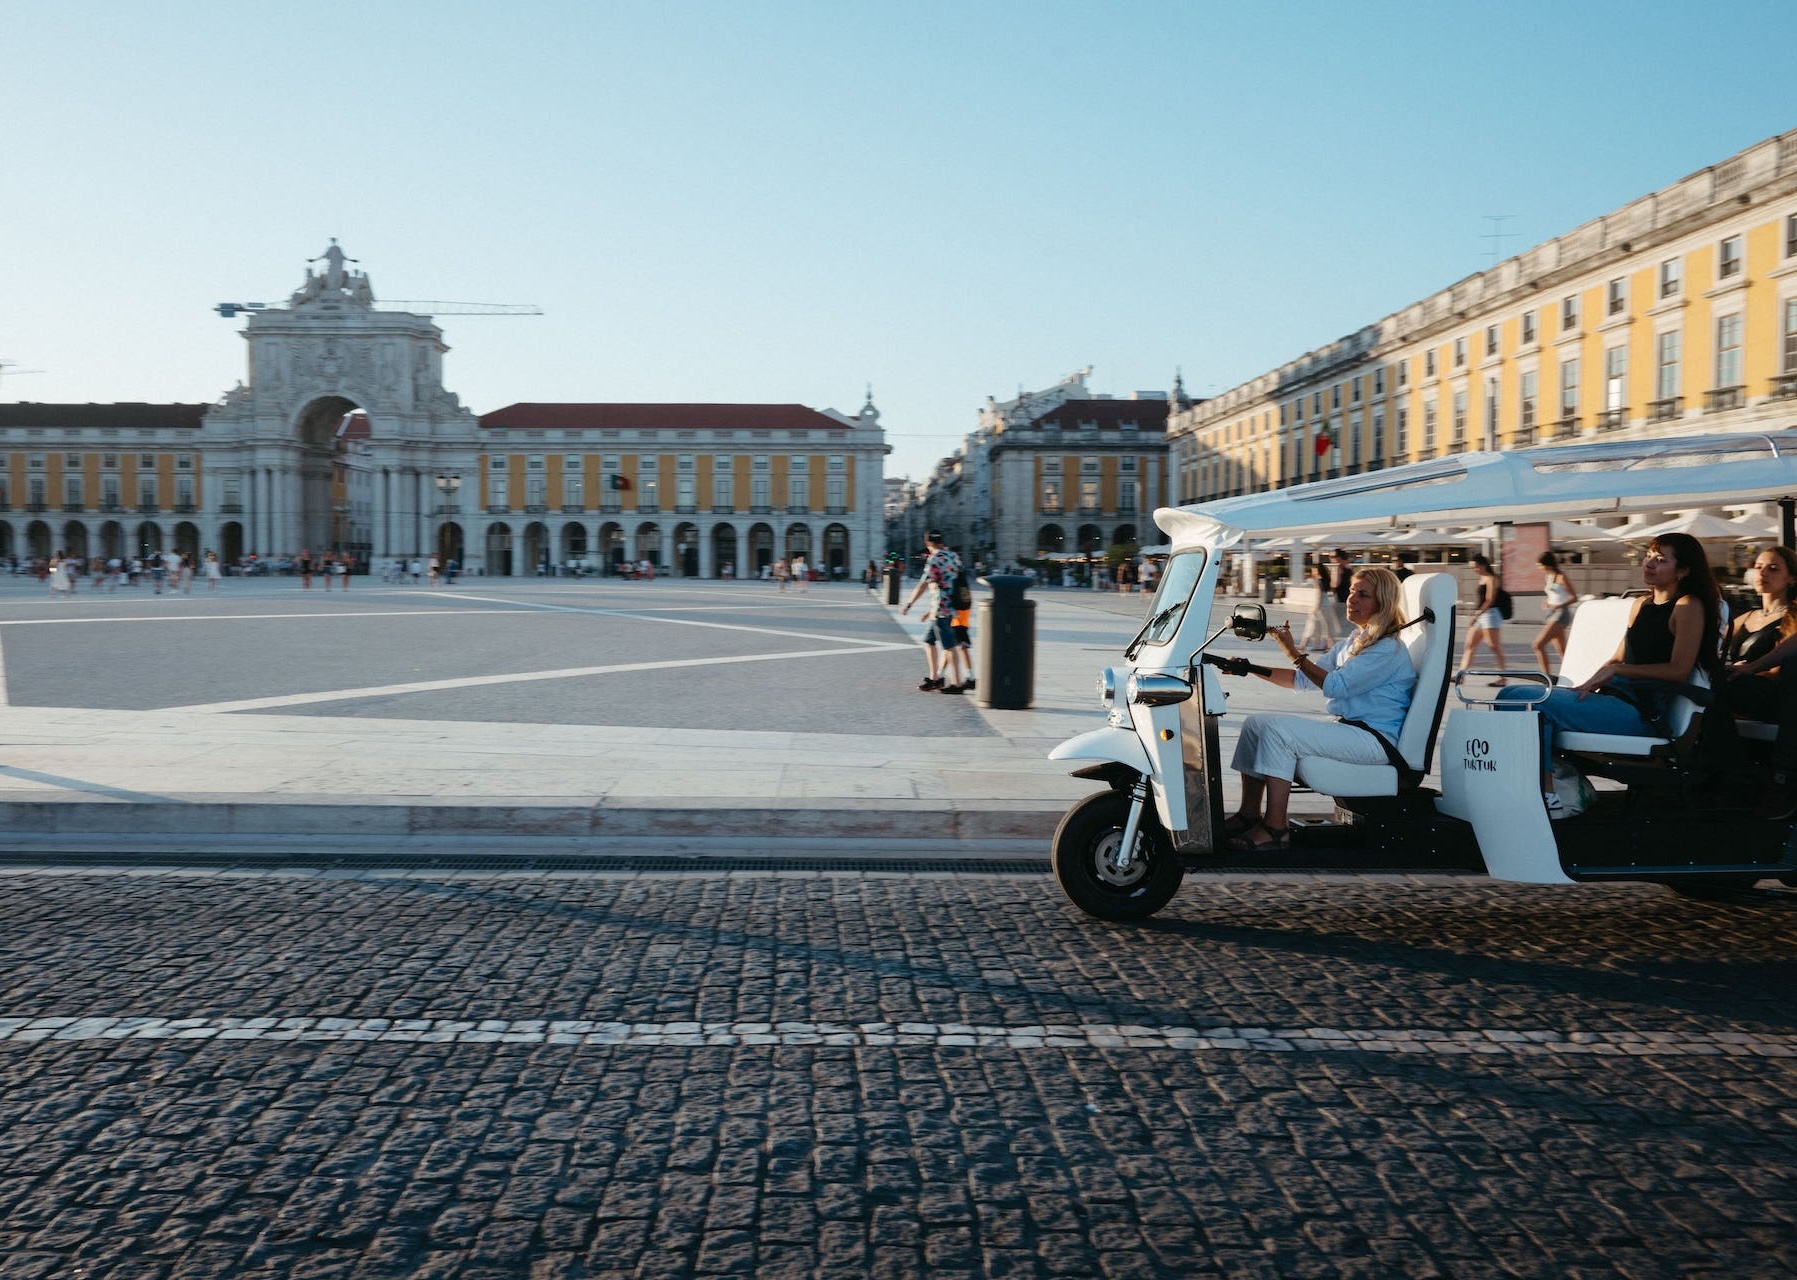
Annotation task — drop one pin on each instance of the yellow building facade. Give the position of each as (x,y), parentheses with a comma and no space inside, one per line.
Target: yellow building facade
(100,480)
(1675,314)
(696,490)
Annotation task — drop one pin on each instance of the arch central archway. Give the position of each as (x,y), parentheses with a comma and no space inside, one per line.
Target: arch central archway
(327,455)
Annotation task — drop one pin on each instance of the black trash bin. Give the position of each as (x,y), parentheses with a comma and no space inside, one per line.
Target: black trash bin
(1266,588)
(895,578)
(1004,637)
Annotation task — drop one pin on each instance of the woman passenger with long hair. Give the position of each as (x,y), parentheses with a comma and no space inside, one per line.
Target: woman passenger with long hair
(1672,632)
(1761,657)
(1366,677)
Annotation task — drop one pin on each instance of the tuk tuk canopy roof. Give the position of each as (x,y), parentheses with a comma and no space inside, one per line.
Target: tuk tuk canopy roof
(1520,486)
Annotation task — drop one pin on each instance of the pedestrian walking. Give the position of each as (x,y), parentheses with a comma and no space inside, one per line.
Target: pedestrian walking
(947,668)
(213,571)
(1488,618)
(1335,602)
(1317,634)
(1557,595)
(304,566)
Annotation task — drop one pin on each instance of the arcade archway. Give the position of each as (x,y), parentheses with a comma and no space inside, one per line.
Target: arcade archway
(723,551)
(499,550)
(449,545)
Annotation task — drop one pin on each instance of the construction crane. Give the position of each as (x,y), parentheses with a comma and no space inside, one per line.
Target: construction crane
(10,369)
(231,309)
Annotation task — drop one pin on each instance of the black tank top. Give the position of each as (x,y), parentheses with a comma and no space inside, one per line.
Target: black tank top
(1649,638)
(1751,646)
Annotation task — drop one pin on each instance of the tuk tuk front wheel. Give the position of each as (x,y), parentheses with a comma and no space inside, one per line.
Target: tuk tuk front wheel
(1085,849)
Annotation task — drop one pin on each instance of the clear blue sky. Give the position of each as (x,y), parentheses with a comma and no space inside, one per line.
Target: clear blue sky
(788,201)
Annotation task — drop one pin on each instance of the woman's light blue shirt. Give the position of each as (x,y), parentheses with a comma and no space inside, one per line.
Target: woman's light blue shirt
(1374,686)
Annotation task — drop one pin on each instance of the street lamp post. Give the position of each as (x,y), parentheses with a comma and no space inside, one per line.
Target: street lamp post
(447,488)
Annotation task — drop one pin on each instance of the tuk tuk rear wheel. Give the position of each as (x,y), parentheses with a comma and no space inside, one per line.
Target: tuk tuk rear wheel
(1084,845)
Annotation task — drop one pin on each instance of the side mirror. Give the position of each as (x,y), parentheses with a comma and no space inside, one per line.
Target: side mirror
(1248,622)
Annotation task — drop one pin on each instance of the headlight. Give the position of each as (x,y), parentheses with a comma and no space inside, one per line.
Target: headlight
(1155,690)
(1107,686)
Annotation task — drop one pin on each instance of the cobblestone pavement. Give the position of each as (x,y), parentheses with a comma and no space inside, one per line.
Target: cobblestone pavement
(862,1075)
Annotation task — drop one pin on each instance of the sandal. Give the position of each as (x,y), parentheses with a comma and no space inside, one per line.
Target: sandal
(1277,838)
(1239,824)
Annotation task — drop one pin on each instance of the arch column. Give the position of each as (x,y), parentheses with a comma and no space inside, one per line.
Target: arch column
(707,567)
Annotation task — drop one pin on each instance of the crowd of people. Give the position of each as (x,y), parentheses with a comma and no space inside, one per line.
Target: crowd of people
(174,571)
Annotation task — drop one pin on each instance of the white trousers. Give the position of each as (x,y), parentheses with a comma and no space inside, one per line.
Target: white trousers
(1271,744)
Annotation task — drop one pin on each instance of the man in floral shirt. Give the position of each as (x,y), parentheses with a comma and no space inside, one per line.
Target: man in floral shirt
(939,572)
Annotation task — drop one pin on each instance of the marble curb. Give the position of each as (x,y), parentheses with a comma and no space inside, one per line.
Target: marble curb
(27,825)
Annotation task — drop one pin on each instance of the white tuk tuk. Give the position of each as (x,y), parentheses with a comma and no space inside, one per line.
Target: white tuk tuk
(1121,853)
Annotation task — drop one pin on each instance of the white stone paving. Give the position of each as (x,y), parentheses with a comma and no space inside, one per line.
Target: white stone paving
(1533,1042)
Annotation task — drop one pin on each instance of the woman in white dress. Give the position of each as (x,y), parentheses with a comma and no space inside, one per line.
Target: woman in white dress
(59,577)
(213,572)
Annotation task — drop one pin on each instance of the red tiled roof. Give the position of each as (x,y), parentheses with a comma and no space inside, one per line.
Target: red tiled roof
(1148,415)
(127,416)
(658,417)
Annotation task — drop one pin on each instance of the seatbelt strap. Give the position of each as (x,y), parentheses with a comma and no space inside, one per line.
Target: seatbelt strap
(1407,776)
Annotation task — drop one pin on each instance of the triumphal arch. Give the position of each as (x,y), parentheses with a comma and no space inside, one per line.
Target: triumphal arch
(343,436)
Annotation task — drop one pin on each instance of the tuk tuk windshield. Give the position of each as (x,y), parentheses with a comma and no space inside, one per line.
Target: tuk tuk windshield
(1178,581)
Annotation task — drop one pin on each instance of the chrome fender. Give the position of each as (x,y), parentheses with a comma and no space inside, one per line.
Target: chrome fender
(1120,746)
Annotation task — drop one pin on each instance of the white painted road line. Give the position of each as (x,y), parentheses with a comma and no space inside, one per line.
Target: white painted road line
(1423,1040)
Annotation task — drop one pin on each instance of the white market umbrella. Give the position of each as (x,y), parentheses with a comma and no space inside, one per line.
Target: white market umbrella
(1558,531)
(1428,538)
(1700,525)
(1756,527)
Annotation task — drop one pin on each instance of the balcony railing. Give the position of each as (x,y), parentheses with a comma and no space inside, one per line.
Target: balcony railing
(73,508)
(1612,419)
(1784,386)
(761,510)
(836,511)
(498,508)
(184,508)
(224,508)
(648,508)
(1566,428)
(686,509)
(610,508)
(723,509)
(1666,410)
(37,506)
(573,509)
(447,509)
(1722,399)
(148,508)
(536,508)
(797,509)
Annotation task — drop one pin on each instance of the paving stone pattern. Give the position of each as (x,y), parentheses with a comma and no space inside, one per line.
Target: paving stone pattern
(961,1148)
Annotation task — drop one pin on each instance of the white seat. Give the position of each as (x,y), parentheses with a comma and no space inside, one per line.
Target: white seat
(1596,634)
(1429,644)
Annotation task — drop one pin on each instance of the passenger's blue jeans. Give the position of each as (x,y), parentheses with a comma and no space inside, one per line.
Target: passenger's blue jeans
(1594,713)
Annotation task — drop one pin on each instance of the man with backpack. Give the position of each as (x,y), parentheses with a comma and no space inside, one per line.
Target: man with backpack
(943,572)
